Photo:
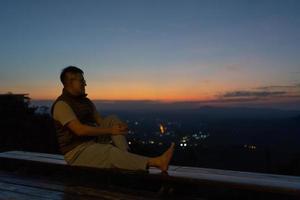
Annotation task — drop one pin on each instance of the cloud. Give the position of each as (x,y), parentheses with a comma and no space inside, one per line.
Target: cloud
(276,87)
(253,93)
(264,95)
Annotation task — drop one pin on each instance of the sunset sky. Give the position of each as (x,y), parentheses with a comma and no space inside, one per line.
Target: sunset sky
(202,51)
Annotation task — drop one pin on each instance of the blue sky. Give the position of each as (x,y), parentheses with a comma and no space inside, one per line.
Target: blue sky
(154,50)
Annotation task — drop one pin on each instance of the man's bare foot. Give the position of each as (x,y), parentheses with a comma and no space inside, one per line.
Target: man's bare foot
(166,158)
(162,161)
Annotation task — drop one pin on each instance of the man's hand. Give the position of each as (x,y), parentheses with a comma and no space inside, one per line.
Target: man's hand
(119,129)
(123,125)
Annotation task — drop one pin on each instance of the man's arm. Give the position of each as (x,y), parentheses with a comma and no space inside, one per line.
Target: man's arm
(65,115)
(84,130)
(98,118)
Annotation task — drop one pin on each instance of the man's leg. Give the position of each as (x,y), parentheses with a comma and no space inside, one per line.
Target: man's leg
(109,156)
(119,141)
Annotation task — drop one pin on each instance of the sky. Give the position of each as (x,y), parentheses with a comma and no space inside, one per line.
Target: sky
(229,52)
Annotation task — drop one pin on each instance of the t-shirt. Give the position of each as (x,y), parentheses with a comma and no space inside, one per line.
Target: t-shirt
(63,113)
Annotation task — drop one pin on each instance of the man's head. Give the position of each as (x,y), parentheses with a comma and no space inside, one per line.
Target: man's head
(73,80)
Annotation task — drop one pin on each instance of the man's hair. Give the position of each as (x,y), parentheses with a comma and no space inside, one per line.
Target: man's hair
(69,69)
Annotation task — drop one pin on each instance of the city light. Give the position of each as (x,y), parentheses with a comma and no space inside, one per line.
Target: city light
(183,144)
(162,129)
(251,147)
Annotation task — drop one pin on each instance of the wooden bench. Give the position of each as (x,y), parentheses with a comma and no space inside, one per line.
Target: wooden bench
(28,169)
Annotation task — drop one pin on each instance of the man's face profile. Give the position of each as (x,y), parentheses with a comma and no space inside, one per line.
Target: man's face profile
(76,83)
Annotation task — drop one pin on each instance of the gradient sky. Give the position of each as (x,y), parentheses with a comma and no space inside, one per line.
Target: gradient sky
(207,51)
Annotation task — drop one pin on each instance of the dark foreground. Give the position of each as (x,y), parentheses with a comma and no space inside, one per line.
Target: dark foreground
(28,175)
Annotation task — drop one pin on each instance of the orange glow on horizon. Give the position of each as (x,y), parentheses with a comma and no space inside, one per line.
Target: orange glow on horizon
(172,93)
(125,96)
(146,92)
(167,91)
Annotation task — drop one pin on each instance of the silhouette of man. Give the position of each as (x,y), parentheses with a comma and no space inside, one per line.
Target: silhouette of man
(88,139)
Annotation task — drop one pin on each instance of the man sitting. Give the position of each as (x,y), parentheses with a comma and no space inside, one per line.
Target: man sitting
(88,139)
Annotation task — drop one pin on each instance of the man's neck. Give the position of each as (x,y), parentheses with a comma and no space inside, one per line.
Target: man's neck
(72,93)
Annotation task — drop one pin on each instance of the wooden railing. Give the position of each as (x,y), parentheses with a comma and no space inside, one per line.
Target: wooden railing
(179,182)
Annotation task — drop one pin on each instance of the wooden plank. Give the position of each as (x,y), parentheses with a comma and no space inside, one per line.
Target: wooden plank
(259,181)
(33,158)
(268,185)
(9,195)
(55,190)
(35,154)
(23,195)
(38,181)
(192,176)
(34,192)
(234,173)
(72,193)
(11,191)
(238,174)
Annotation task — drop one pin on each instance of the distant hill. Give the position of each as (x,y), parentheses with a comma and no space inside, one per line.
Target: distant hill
(297,118)
(155,107)
(244,112)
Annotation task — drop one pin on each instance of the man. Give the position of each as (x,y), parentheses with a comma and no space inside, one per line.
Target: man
(88,139)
